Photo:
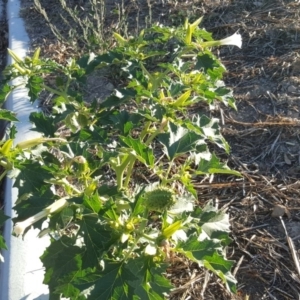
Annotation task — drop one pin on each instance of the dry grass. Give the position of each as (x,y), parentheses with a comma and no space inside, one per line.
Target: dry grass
(263,134)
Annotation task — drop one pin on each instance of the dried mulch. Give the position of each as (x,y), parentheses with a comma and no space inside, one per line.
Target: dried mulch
(263,134)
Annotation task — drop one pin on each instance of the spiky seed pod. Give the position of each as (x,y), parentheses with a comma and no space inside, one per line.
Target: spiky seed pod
(160,199)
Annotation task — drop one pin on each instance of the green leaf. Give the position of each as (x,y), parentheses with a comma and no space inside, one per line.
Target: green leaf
(2,243)
(121,96)
(125,121)
(213,165)
(210,64)
(207,248)
(205,61)
(5,91)
(151,284)
(34,84)
(93,202)
(43,124)
(113,282)
(12,132)
(3,218)
(61,259)
(197,250)
(212,219)
(178,140)
(32,178)
(68,290)
(96,238)
(209,129)
(7,115)
(207,253)
(142,152)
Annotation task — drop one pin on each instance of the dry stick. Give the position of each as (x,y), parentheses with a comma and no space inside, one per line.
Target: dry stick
(238,265)
(292,247)
(206,280)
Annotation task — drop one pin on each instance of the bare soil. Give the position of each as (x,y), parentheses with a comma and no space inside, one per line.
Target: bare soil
(263,133)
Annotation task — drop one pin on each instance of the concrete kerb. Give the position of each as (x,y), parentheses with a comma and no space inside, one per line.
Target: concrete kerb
(21,274)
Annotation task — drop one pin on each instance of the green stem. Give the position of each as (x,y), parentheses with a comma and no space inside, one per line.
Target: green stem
(145,130)
(132,159)
(120,171)
(60,93)
(53,91)
(67,85)
(68,184)
(129,170)
(140,233)
(165,178)
(163,124)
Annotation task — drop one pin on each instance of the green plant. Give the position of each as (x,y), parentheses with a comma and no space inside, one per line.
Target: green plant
(113,232)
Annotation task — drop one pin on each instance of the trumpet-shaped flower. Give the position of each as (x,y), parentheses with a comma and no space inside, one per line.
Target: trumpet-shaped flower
(20,227)
(234,40)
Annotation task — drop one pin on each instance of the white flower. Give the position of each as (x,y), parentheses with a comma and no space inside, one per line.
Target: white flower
(235,40)
(20,227)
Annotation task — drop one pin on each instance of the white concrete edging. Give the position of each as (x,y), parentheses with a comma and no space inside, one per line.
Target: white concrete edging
(21,274)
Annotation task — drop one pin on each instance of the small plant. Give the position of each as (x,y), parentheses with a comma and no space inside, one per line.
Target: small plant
(113,231)
(81,30)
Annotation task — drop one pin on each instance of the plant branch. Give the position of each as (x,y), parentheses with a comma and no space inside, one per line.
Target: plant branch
(162,126)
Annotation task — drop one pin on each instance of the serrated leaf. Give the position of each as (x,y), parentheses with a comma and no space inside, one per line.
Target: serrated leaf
(150,283)
(205,61)
(218,262)
(93,201)
(213,165)
(61,259)
(7,115)
(34,84)
(212,221)
(12,132)
(5,91)
(142,152)
(68,290)
(209,129)
(113,283)
(43,124)
(206,253)
(121,96)
(32,178)
(96,240)
(178,140)
(210,64)
(125,121)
